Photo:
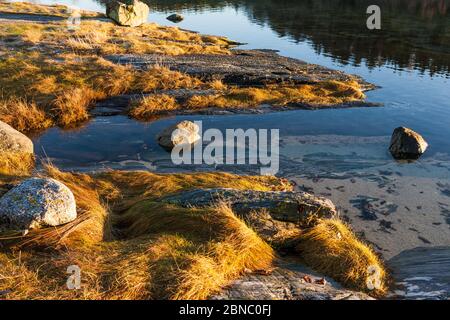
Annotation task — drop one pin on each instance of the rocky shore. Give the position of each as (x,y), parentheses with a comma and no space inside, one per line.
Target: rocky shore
(140,235)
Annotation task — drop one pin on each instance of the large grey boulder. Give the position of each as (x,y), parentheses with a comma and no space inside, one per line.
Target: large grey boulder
(13,141)
(300,208)
(37,202)
(185,132)
(130,13)
(407,144)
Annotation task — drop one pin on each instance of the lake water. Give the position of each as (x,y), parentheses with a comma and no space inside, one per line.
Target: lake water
(401,208)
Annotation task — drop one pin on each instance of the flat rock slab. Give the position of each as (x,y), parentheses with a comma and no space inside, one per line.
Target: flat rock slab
(287,282)
(422,273)
(242,67)
(296,207)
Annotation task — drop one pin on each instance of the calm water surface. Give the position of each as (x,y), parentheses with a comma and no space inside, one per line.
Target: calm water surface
(341,154)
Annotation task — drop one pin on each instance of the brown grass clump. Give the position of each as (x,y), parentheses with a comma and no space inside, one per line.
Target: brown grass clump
(240,248)
(320,94)
(332,248)
(16,164)
(137,247)
(162,78)
(71,107)
(23,116)
(149,106)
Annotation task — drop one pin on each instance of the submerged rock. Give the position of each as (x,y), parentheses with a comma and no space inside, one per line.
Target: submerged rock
(184,132)
(175,18)
(37,202)
(294,207)
(407,144)
(130,13)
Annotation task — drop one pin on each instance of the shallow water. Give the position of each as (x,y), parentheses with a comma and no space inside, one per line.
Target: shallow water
(341,154)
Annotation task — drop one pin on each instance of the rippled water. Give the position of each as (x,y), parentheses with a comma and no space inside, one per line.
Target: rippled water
(341,154)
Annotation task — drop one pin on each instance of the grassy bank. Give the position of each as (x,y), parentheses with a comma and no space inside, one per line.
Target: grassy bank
(130,245)
(52,75)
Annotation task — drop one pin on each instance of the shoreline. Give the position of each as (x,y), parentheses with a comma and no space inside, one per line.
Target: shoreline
(140,219)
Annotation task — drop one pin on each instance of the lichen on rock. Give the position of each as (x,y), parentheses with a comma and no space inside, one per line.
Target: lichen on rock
(37,202)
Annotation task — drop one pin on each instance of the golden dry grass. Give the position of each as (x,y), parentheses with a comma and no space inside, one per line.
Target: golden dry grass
(130,245)
(65,63)
(162,78)
(23,116)
(16,164)
(323,94)
(332,248)
(136,248)
(326,93)
(147,107)
(71,107)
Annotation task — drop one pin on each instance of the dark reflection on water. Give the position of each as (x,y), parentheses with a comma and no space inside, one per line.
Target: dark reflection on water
(415,34)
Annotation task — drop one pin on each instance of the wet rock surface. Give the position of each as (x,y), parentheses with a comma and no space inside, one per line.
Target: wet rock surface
(175,18)
(407,144)
(37,202)
(242,67)
(288,281)
(420,273)
(294,207)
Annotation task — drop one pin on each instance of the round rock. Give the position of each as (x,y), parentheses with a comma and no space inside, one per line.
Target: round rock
(182,133)
(12,140)
(407,144)
(175,18)
(37,202)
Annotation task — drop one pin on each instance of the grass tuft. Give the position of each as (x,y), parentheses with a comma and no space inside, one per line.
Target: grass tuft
(332,248)
(16,164)
(23,116)
(150,106)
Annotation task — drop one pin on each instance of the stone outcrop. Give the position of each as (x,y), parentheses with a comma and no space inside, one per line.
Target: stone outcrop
(37,202)
(130,13)
(242,67)
(184,132)
(407,144)
(299,208)
(287,282)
